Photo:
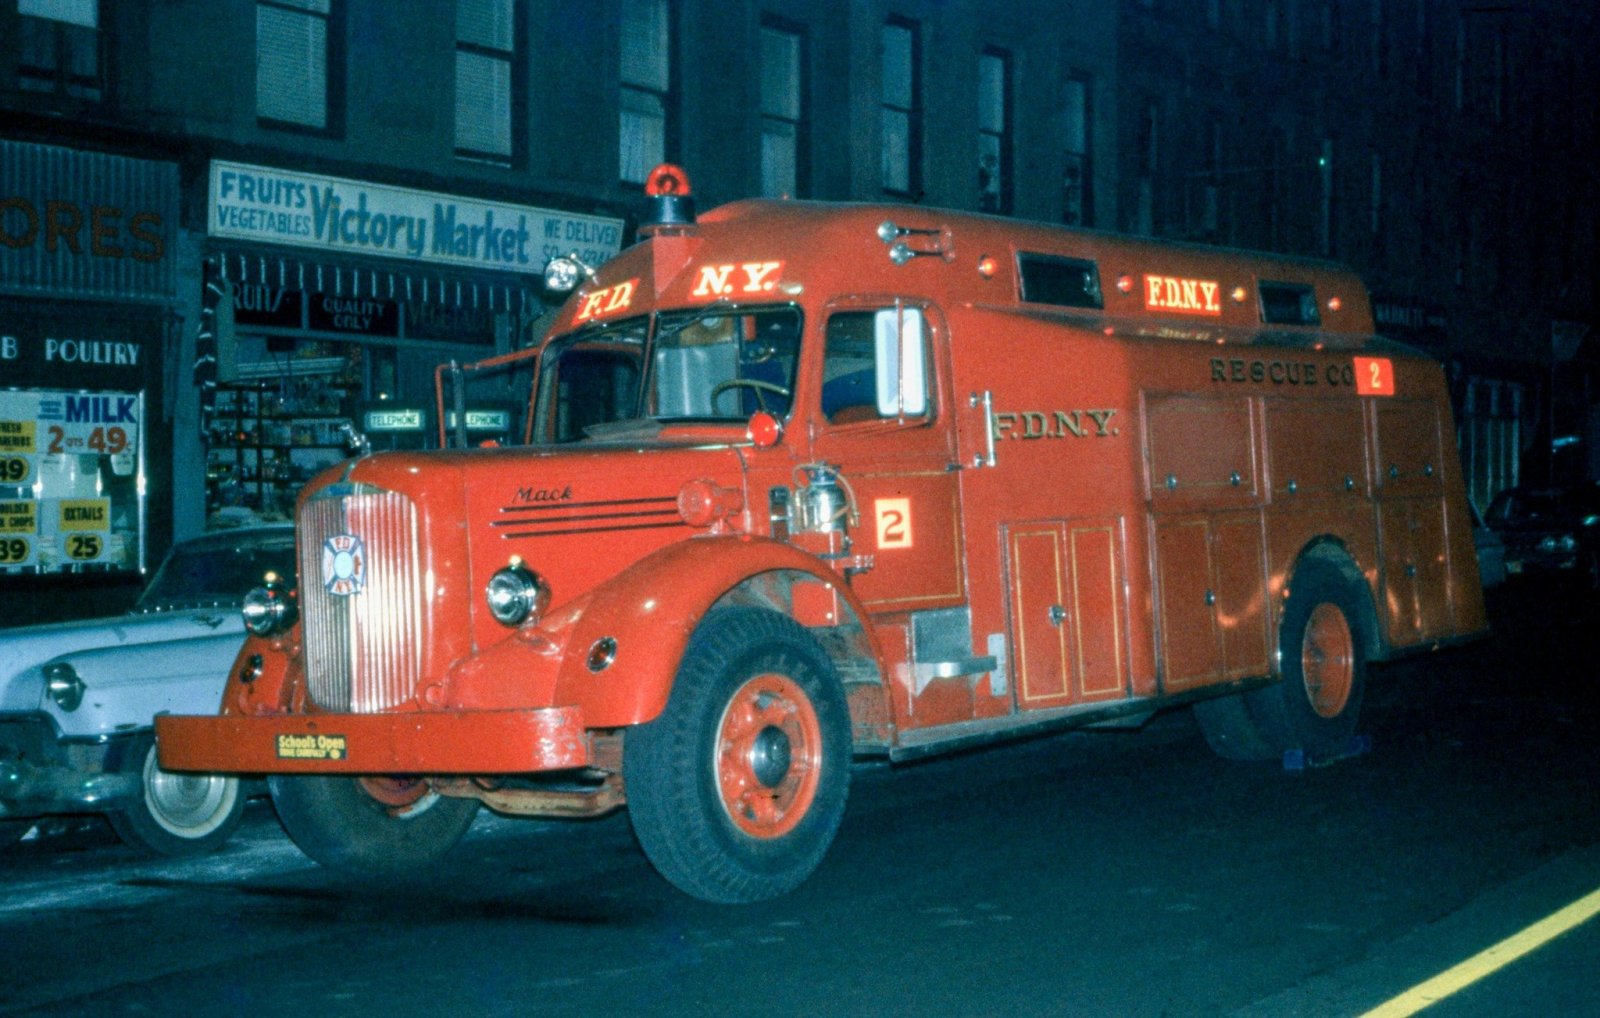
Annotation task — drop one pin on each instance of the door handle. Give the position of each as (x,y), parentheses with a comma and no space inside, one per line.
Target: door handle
(985,400)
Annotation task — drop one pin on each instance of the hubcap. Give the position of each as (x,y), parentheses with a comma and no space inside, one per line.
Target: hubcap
(187,805)
(1328,660)
(768,756)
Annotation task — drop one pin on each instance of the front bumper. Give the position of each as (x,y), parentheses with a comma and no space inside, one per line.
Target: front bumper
(411,742)
(43,775)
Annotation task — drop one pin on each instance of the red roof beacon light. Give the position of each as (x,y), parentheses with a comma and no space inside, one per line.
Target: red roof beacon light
(671,197)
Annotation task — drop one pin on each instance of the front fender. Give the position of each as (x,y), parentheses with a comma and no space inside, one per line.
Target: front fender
(127,686)
(649,610)
(652,609)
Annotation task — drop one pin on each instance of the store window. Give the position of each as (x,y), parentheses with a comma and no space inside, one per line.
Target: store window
(782,111)
(901,112)
(58,48)
(486,79)
(646,88)
(994,131)
(1077,207)
(292,62)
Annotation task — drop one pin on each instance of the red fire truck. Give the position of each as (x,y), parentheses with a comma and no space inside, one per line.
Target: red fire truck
(799,482)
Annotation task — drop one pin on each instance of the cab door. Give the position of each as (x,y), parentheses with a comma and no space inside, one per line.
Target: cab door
(898,464)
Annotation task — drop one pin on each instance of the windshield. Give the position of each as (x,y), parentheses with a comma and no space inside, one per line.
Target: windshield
(209,572)
(721,364)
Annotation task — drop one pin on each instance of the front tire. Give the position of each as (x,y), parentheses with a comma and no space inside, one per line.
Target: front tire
(1323,665)
(736,790)
(369,825)
(177,814)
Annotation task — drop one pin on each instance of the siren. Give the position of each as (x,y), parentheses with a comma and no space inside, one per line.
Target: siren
(671,198)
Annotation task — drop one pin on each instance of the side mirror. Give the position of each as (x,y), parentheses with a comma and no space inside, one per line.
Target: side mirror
(902,369)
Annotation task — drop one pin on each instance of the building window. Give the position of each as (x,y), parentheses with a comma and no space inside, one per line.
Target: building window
(902,108)
(1076,172)
(1148,154)
(1325,218)
(1380,39)
(646,97)
(783,133)
(1377,194)
(1204,185)
(292,62)
(58,48)
(994,131)
(486,66)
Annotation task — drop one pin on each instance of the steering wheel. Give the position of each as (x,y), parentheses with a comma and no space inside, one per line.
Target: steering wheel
(749,383)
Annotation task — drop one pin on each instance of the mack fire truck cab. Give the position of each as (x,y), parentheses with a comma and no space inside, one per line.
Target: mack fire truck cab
(799,482)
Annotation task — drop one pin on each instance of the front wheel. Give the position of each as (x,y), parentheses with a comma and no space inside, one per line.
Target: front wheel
(736,790)
(370,824)
(1323,664)
(178,814)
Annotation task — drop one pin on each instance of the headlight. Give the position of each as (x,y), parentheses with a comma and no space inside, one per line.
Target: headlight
(63,685)
(516,594)
(268,609)
(563,273)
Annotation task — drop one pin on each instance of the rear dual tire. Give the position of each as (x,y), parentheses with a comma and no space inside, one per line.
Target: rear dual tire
(1322,665)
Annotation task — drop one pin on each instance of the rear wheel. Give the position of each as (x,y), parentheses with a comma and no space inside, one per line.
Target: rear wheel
(1323,664)
(736,791)
(177,813)
(1230,731)
(369,824)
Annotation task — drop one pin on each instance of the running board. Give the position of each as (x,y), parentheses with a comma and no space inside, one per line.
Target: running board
(918,743)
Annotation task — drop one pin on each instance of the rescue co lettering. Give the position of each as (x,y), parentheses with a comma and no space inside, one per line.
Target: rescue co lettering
(1371,376)
(311,747)
(720,281)
(608,300)
(1186,296)
(1054,424)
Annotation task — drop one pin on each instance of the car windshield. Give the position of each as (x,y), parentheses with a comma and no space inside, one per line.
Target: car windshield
(711,365)
(210,572)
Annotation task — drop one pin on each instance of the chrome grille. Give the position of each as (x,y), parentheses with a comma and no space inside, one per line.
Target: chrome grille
(363,649)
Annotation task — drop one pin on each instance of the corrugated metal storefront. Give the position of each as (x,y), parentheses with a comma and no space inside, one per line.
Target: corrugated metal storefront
(88,274)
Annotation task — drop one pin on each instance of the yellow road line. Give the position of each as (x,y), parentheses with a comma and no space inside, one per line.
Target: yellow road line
(1489,960)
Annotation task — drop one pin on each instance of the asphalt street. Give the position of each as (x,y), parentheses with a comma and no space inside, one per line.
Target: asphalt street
(1090,873)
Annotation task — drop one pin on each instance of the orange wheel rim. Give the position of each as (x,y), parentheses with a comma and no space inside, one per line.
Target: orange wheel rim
(1328,660)
(768,756)
(394,791)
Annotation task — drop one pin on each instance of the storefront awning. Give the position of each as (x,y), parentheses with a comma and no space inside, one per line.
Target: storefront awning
(353,278)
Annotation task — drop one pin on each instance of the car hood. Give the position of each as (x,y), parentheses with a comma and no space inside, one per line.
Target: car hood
(132,665)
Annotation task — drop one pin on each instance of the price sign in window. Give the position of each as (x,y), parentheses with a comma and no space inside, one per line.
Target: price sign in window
(70,481)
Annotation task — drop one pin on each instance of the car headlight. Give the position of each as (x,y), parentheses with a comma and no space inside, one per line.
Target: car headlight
(516,594)
(268,609)
(62,683)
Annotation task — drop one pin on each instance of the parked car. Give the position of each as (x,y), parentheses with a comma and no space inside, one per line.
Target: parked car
(1491,551)
(77,699)
(1550,531)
